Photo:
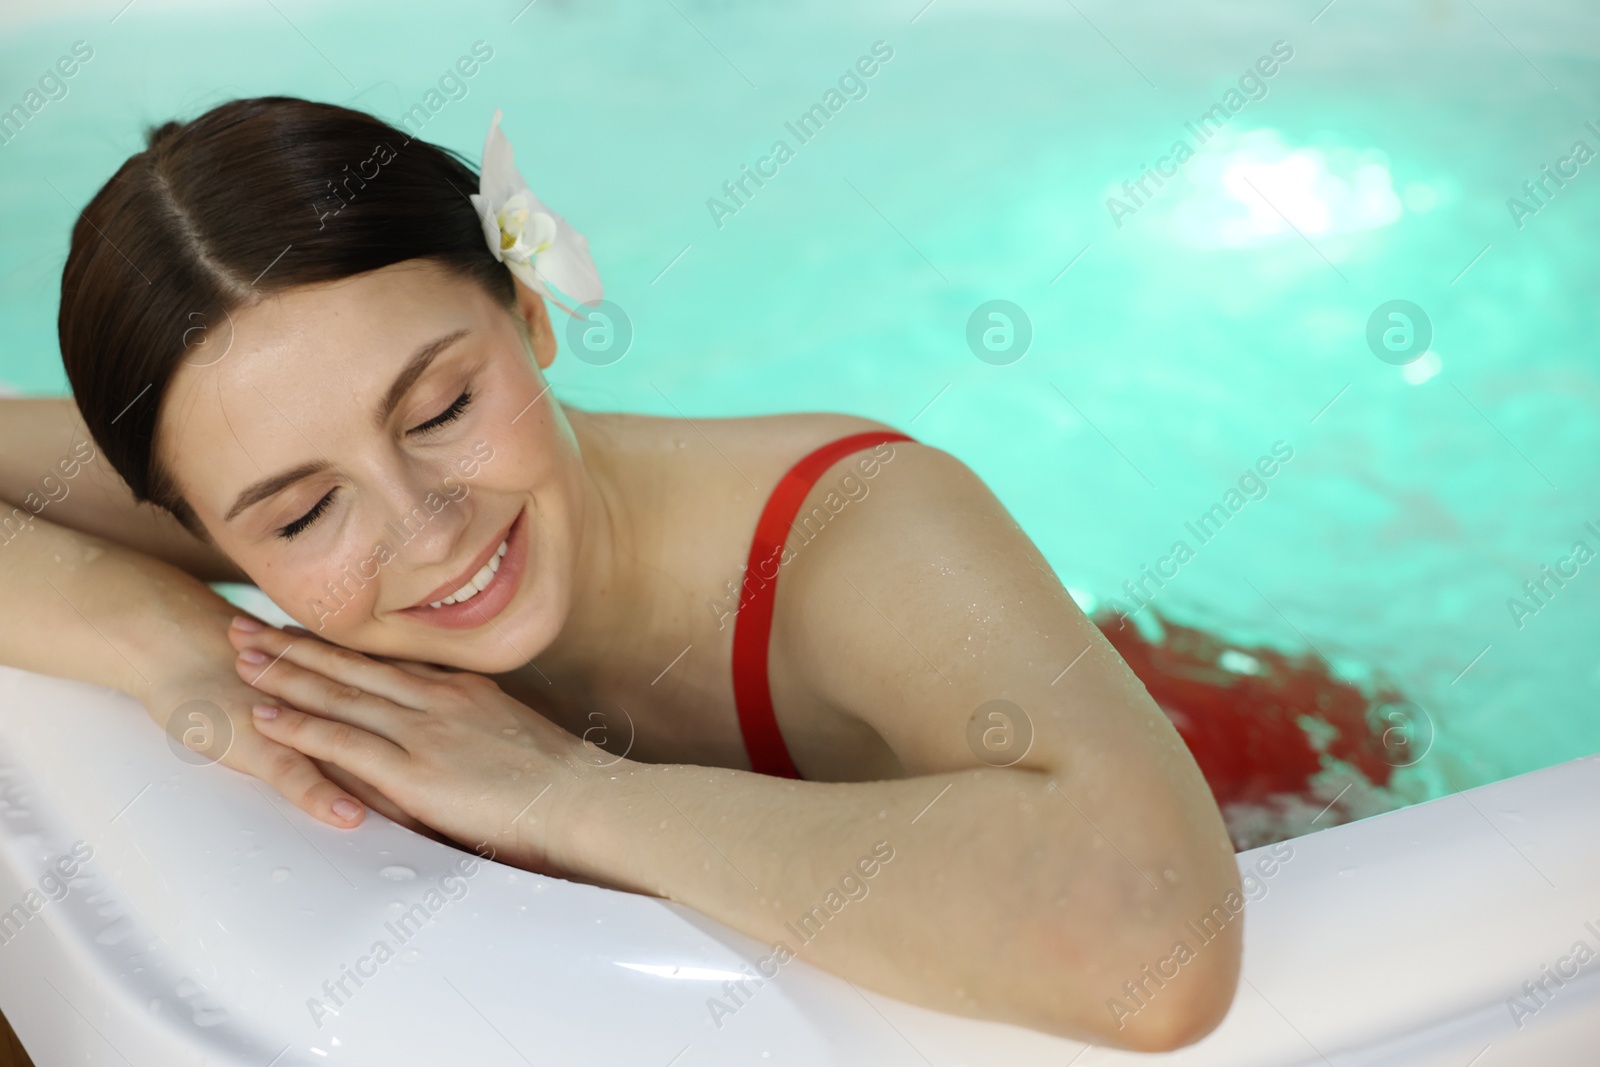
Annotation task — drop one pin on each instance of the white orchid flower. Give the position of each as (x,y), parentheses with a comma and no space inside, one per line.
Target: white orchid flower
(538,246)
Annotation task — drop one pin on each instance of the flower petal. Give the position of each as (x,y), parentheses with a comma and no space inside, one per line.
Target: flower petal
(491,225)
(566,264)
(525,274)
(570,268)
(499,179)
(540,231)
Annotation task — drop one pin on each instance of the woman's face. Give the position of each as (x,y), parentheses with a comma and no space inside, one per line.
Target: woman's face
(371,449)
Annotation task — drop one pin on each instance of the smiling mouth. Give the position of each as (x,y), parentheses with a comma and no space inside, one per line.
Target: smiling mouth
(484,594)
(479,582)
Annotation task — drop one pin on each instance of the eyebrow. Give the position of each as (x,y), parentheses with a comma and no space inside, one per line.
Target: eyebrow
(419,364)
(258,491)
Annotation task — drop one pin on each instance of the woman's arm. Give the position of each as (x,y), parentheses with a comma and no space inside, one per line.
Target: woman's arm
(1048,900)
(1053,843)
(50,467)
(81,607)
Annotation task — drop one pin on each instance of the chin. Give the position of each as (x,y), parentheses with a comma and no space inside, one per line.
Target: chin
(505,644)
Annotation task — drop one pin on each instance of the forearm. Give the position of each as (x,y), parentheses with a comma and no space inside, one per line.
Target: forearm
(83,608)
(50,468)
(998,899)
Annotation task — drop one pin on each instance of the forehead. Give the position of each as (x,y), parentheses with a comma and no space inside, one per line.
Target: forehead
(284,380)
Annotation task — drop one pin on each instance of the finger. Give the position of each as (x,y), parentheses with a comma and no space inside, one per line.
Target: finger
(379,803)
(369,794)
(426,671)
(340,664)
(287,682)
(366,755)
(299,781)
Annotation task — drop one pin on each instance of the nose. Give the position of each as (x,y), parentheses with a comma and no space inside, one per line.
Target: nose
(425,518)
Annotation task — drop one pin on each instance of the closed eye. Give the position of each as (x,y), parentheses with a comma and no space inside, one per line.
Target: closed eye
(448,415)
(300,525)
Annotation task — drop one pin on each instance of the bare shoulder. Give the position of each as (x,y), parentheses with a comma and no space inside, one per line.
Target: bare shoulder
(725,456)
(921,504)
(916,598)
(772,443)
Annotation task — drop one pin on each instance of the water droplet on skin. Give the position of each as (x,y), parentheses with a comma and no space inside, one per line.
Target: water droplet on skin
(510,731)
(280,873)
(398,873)
(1170,875)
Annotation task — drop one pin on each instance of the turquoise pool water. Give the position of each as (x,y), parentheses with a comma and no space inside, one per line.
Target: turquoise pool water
(1226,313)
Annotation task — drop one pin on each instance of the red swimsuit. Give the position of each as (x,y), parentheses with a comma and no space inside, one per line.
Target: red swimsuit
(1246,731)
(752,627)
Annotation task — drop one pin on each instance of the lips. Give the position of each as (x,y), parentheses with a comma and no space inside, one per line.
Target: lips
(479,583)
(483,591)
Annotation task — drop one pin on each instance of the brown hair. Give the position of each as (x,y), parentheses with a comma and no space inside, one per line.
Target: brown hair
(253,197)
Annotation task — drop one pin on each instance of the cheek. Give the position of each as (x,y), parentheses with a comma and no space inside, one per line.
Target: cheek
(329,593)
(535,454)
(538,464)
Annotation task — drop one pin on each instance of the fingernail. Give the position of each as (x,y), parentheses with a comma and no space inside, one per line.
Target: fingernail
(251,655)
(264,711)
(247,625)
(346,809)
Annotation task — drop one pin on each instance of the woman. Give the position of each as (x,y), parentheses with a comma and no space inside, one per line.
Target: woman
(722,661)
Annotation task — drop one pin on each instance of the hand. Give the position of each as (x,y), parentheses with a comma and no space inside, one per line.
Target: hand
(208,677)
(448,747)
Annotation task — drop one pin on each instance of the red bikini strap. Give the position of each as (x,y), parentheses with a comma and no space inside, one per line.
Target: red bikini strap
(752,627)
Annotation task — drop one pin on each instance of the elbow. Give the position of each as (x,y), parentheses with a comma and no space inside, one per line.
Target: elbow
(1164,1027)
(1166,986)
(1180,996)
(1180,1013)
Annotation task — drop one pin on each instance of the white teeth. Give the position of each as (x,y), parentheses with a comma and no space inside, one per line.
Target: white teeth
(479,582)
